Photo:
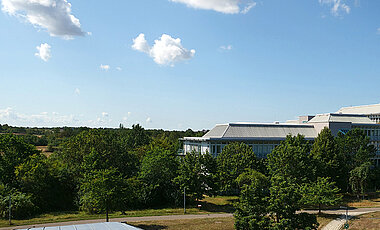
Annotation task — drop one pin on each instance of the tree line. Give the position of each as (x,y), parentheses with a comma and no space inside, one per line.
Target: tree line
(100,170)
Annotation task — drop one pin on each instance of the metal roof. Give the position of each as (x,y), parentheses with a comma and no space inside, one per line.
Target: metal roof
(363,109)
(234,131)
(336,117)
(94,226)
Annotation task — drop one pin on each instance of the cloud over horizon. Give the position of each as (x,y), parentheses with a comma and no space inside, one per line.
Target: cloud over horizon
(222,6)
(165,51)
(53,15)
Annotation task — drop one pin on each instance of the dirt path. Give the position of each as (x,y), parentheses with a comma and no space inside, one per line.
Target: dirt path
(126,219)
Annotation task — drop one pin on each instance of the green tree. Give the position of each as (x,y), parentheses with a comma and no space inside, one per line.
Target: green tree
(234,159)
(284,201)
(252,208)
(291,159)
(197,174)
(14,151)
(102,191)
(326,155)
(354,150)
(158,170)
(320,192)
(359,177)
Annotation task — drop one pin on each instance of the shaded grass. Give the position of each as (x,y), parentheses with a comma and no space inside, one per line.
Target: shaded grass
(369,221)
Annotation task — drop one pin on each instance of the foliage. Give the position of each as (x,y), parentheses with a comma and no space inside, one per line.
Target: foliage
(158,170)
(291,159)
(359,177)
(197,174)
(320,192)
(325,155)
(234,159)
(101,190)
(252,208)
(21,204)
(14,151)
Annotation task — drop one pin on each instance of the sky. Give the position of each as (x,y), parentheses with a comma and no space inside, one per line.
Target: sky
(179,64)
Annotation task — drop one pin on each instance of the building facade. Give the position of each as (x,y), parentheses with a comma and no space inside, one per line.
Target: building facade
(264,137)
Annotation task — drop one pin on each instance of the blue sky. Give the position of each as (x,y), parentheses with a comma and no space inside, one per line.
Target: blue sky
(260,61)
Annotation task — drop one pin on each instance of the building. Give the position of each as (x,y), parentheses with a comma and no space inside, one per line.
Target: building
(263,137)
(371,111)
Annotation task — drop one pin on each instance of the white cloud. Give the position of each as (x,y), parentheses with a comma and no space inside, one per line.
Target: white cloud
(119,68)
(43,52)
(227,47)
(148,120)
(53,15)
(129,114)
(165,51)
(223,6)
(12,117)
(77,91)
(337,6)
(104,114)
(248,7)
(104,67)
(378,30)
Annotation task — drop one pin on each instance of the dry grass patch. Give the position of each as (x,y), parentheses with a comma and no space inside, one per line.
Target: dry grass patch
(369,221)
(226,223)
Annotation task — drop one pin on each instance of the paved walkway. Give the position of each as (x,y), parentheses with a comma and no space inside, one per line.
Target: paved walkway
(126,219)
(338,223)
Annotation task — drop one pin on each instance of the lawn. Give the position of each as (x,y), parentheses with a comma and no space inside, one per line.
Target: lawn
(217,204)
(369,221)
(226,223)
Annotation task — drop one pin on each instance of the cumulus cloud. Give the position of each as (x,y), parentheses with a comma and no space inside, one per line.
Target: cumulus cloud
(119,68)
(223,6)
(104,114)
(165,51)
(104,67)
(43,52)
(148,120)
(77,91)
(337,6)
(53,15)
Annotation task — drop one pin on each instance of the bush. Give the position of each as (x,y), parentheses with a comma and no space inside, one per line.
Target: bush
(22,206)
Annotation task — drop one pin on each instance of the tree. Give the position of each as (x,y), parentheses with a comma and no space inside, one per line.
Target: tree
(252,208)
(234,160)
(158,170)
(325,154)
(197,174)
(320,192)
(102,191)
(359,177)
(354,151)
(14,151)
(291,159)
(284,201)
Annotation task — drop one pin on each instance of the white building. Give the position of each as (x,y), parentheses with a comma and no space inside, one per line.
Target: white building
(371,111)
(263,138)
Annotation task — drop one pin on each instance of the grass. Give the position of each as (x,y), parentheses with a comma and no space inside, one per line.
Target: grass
(217,204)
(369,221)
(324,219)
(226,223)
